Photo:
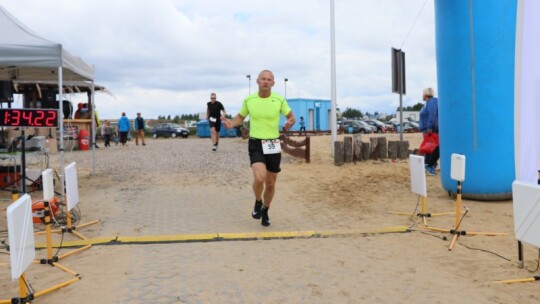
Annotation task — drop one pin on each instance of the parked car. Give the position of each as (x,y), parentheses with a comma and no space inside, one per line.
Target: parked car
(169,130)
(408,126)
(364,127)
(346,126)
(390,128)
(412,125)
(381,127)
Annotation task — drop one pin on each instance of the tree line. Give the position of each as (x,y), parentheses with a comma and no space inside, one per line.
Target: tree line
(183,117)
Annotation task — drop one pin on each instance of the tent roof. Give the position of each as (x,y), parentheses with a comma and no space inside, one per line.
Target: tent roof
(26,56)
(69,86)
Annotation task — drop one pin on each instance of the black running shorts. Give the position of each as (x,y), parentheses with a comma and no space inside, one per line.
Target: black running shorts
(256,155)
(216,125)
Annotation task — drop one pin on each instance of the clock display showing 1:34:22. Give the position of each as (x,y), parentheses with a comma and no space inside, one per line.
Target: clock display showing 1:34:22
(29,118)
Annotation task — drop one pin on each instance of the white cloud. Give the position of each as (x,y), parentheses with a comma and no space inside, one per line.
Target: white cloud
(164,57)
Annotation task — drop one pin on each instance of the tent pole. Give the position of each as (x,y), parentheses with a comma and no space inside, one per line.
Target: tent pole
(93,140)
(333,111)
(61,125)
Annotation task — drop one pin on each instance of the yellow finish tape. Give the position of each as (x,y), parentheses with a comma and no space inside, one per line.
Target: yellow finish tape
(211,237)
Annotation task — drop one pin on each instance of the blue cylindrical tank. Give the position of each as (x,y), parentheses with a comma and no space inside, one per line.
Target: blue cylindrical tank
(475,69)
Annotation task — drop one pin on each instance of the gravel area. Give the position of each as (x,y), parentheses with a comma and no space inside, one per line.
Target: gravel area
(171,155)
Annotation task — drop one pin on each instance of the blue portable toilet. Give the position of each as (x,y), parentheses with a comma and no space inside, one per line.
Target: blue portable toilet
(316,113)
(203,130)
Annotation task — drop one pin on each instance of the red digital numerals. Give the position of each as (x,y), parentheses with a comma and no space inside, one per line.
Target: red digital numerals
(29,117)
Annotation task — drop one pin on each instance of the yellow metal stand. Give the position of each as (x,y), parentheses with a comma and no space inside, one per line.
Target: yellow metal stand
(71,229)
(525,280)
(26,296)
(457,232)
(424,214)
(53,260)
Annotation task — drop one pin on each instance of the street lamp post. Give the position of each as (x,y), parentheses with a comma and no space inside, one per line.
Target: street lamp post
(248,76)
(285,82)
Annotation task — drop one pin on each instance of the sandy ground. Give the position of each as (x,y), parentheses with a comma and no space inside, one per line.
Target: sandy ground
(178,186)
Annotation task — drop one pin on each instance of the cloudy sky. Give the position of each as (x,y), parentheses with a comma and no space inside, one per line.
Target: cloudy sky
(165,57)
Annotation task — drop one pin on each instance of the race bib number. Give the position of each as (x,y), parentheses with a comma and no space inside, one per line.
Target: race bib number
(271,146)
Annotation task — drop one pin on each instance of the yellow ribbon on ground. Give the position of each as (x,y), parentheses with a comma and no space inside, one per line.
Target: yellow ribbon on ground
(214,237)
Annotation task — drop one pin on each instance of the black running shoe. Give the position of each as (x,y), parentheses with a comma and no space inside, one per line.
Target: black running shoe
(265,221)
(256,213)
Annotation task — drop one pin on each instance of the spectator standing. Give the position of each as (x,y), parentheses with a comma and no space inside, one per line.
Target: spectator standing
(302,125)
(429,123)
(138,126)
(106,133)
(116,136)
(123,128)
(78,113)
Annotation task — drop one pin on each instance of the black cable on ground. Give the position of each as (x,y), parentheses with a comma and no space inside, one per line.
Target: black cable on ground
(413,214)
(484,250)
(444,238)
(537,263)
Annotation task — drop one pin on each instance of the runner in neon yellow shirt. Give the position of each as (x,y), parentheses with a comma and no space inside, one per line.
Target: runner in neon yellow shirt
(264,109)
(264,115)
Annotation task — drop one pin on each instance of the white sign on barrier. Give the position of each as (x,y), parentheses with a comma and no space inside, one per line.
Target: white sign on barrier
(526,212)
(457,170)
(418,175)
(48,185)
(21,235)
(72,186)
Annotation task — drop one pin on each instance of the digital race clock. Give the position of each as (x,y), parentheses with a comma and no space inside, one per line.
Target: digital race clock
(29,118)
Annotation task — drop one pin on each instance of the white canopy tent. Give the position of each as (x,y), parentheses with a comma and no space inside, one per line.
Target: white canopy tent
(26,56)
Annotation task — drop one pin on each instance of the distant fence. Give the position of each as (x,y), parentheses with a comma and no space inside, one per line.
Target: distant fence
(306,133)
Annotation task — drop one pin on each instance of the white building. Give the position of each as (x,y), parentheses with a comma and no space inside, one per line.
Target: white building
(407,115)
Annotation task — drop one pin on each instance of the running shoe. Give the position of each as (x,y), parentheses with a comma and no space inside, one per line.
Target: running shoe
(431,171)
(265,220)
(256,213)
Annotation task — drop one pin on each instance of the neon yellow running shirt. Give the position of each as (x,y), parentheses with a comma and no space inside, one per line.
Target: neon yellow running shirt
(264,114)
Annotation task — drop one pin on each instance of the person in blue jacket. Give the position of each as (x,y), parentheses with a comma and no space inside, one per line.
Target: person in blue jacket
(123,128)
(429,123)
